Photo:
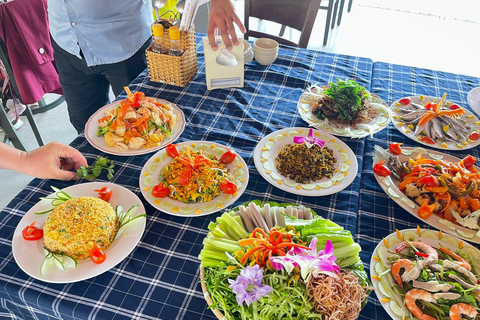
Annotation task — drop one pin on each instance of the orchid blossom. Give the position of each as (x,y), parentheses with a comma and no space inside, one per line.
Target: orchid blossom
(308,261)
(309,141)
(248,286)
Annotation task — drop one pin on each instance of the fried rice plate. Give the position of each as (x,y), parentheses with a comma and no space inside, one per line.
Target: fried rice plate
(73,227)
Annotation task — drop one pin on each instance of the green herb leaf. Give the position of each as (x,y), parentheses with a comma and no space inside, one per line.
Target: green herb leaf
(92,172)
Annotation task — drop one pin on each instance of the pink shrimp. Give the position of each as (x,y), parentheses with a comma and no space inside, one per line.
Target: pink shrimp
(460,261)
(458,309)
(399,264)
(417,294)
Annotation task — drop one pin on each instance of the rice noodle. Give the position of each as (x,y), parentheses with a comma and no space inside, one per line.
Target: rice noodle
(337,297)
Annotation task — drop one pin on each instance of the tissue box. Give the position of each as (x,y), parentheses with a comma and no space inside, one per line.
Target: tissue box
(223,68)
(174,70)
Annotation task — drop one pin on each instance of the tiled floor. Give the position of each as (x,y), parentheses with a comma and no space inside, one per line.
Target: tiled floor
(434,34)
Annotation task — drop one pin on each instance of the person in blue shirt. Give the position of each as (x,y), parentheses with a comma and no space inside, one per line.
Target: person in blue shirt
(100,44)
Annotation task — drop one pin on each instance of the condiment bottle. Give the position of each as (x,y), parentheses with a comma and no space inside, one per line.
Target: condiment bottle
(175,43)
(157,47)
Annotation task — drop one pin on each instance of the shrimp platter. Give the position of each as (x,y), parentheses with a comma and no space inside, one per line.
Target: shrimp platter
(426,275)
(137,122)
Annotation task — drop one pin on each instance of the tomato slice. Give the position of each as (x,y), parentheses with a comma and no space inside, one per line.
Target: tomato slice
(172,150)
(429,181)
(32,233)
(228,187)
(381,170)
(395,149)
(468,161)
(428,140)
(228,157)
(96,254)
(474,135)
(454,107)
(160,191)
(405,101)
(105,193)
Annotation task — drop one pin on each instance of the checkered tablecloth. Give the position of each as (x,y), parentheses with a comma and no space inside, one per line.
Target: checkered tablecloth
(160,278)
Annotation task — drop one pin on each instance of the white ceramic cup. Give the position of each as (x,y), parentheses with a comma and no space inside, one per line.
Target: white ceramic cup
(265,51)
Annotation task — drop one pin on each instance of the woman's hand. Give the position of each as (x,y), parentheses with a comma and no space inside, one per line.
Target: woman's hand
(221,17)
(51,161)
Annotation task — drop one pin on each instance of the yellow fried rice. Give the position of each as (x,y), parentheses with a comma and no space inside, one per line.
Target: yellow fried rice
(73,226)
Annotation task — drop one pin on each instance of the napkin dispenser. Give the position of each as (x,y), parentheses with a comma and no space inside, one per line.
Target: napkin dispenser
(223,68)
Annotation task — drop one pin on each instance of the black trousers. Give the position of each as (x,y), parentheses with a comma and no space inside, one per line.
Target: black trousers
(86,88)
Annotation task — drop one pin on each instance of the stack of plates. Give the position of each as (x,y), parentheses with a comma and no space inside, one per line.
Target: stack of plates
(247,52)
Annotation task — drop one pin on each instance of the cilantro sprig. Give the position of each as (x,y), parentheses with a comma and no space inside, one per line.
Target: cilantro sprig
(92,172)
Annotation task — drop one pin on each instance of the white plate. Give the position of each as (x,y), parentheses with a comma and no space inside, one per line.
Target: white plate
(100,144)
(151,172)
(378,124)
(29,255)
(267,150)
(427,236)
(470,118)
(473,99)
(391,189)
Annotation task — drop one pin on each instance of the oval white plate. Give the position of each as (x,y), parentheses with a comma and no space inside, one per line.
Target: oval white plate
(29,255)
(391,189)
(470,118)
(267,150)
(473,99)
(378,124)
(100,144)
(151,172)
(431,240)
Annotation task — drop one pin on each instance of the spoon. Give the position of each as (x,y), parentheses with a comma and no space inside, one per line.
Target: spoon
(157,5)
(180,6)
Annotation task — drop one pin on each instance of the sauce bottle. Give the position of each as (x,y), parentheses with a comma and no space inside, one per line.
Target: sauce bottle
(157,47)
(175,43)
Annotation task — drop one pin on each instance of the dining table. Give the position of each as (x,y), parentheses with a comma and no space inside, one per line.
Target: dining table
(160,277)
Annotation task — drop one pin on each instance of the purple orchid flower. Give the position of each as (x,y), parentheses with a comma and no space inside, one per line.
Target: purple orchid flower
(310,140)
(248,286)
(308,261)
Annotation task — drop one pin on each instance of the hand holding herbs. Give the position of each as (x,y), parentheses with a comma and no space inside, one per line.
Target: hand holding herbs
(92,172)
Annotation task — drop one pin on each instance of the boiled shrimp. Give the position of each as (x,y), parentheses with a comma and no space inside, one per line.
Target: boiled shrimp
(460,261)
(458,309)
(397,266)
(416,294)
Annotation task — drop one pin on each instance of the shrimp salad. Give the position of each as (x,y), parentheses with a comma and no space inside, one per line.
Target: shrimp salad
(137,122)
(427,275)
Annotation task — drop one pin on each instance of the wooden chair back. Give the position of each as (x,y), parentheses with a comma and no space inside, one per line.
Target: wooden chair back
(297,14)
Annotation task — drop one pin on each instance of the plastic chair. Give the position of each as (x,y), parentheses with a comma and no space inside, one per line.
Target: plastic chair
(5,122)
(286,13)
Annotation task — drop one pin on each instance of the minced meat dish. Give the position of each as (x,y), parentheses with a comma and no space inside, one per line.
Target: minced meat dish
(303,164)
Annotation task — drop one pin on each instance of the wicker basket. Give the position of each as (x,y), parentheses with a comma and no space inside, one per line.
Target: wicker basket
(174,70)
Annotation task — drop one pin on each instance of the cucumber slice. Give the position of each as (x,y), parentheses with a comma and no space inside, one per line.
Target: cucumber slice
(393,241)
(410,235)
(57,259)
(396,309)
(147,181)
(447,223)
(382,290)
(382,254)
(450,240)
(472,252)
(378,268)
(152,167)
(69,262)
(430,234)
(464,234)
(47,263)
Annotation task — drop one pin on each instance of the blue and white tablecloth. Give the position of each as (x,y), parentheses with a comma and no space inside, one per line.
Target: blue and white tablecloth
(160,278)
